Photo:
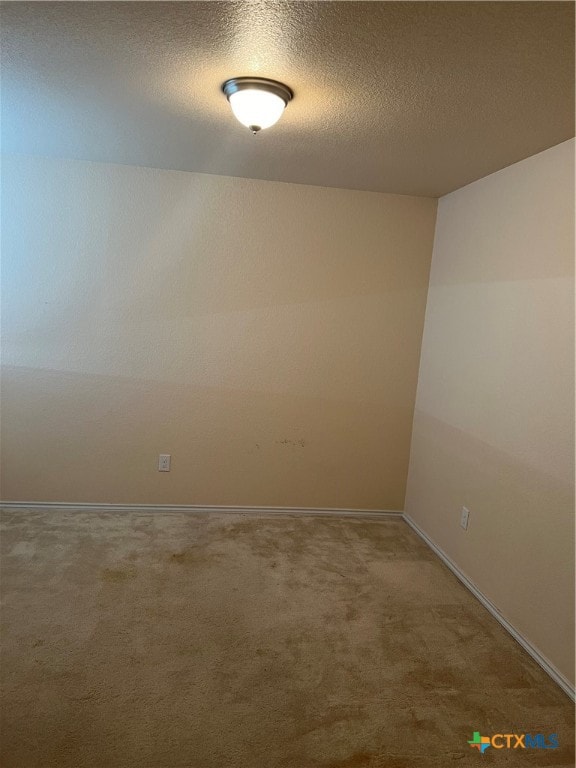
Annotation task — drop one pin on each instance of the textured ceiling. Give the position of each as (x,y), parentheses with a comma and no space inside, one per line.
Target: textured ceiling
(413,98)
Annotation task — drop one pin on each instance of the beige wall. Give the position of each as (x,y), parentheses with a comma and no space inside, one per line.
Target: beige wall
(494,419)
(267,335)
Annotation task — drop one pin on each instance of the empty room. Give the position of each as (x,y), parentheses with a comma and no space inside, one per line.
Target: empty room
(287,395)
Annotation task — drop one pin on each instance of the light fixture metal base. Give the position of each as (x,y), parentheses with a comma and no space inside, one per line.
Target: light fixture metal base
(235,84)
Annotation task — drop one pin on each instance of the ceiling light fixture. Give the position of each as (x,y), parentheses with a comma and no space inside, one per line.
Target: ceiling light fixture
(256,102)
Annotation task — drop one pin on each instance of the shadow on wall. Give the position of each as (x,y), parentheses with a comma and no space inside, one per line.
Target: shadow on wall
(88,438)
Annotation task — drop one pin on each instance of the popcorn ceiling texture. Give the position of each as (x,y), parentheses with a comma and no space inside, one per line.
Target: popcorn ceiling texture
(412,98)
(140,640)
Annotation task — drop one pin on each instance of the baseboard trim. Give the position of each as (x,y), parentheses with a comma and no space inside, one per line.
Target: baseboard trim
(196,508)
(374,514)
(541,660)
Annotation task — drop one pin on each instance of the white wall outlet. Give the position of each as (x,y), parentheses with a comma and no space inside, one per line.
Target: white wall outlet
(464,518)
(164,462)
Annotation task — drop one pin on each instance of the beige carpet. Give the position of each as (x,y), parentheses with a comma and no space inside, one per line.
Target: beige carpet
(141,640)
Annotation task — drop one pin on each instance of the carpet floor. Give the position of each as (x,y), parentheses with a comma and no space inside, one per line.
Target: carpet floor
(177,640)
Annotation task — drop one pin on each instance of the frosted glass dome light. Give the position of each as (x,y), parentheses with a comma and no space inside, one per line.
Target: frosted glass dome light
(256,109)
(256,103)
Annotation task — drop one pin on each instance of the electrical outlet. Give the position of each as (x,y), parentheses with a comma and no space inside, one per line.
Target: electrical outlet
(464,518)
(164,462)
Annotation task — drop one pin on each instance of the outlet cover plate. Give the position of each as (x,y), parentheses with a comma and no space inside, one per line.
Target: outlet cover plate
(164,462)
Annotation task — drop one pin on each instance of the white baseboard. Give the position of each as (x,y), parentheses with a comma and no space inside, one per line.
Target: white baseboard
(379,514)
(541,660)
(196,508)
